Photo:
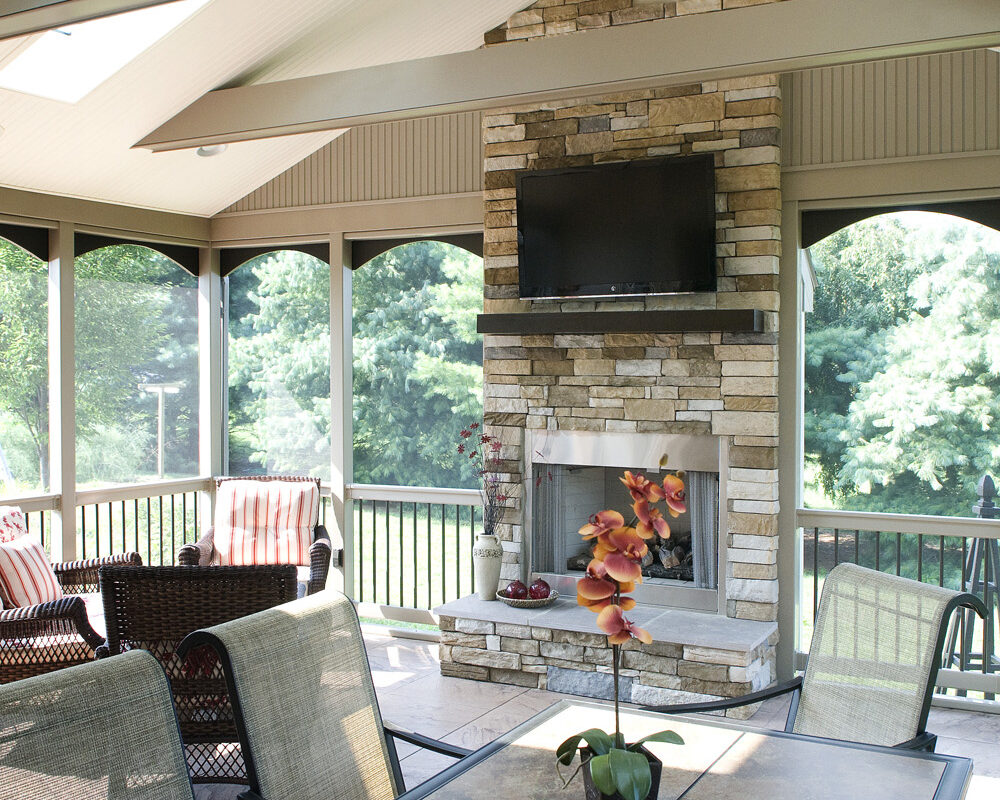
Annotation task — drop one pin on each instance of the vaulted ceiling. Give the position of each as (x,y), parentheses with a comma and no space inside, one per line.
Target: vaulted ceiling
(84,149)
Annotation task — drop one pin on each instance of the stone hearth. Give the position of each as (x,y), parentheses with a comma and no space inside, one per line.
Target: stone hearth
(693,657)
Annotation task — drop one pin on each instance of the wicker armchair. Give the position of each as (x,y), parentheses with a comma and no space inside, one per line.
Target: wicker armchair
(50,636)
(154,608)
(873,661)
(104,731)
(202,553)
(305,705)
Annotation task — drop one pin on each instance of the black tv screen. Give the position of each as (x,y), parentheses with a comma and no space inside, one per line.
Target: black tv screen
(626,228)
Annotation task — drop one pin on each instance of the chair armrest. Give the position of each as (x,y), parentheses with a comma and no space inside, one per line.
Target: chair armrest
(435,745)
(730,702)
(320,552)
(200,553)
(924,742)
(81,577)
(68,609)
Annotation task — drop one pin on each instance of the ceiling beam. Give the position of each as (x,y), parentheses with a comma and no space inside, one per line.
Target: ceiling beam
(18,17)
(779,37)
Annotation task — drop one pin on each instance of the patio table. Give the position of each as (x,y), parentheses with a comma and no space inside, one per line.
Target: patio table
(721,759)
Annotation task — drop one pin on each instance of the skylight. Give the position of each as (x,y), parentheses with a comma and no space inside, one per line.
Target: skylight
(69,63)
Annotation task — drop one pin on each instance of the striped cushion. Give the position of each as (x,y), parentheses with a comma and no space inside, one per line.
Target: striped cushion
(265,522)
(26,576)
(12,523)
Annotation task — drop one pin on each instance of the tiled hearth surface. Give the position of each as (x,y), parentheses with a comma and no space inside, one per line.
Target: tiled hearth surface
(412,693)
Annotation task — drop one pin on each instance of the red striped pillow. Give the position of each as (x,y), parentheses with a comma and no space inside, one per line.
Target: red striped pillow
(12,523)
(26,576)
(265,522)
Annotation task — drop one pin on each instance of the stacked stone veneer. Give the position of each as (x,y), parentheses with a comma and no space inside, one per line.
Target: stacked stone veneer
(553,17)
(709,383)
(574,662)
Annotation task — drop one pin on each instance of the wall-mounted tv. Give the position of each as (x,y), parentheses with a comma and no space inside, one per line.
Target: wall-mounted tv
(625,228)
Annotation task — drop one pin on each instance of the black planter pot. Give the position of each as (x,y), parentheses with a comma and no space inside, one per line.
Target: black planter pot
(593,793)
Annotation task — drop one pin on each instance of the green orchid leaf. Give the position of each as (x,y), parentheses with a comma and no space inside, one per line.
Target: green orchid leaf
(596,739)
(667,737)
(600,773)
(631,774)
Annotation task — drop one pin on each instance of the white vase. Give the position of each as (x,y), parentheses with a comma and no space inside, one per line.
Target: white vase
(487,555)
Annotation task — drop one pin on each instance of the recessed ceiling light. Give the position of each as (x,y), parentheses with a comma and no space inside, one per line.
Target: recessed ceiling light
(209,150)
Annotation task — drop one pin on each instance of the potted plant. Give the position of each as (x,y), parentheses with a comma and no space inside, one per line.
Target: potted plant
(483,451)
(611,767)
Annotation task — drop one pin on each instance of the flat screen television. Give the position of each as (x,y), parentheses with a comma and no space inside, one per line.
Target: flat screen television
(625,228)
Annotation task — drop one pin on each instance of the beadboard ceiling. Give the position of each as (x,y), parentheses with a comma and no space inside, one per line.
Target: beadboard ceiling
(85,149)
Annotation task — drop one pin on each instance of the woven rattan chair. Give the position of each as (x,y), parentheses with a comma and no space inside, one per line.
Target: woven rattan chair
(50,636)
(154,608)
(202,552)
(305,704)
(102,731)
(874,657)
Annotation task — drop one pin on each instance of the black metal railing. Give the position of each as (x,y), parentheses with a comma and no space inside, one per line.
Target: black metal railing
(155,527)
(412,552)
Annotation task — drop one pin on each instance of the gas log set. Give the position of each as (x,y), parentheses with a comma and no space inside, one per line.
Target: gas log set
(667,558)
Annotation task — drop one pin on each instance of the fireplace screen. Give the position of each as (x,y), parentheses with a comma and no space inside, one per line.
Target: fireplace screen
(566,495)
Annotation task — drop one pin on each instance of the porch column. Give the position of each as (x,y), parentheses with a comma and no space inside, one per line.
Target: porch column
(211,380)
(62,405)
(341,405)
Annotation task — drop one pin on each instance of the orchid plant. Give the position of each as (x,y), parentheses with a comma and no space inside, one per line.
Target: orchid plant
(613,572)
(483,451)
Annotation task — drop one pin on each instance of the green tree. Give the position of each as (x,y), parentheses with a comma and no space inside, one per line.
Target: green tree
(131,326)
(279,365)
(902,364)
(417,364)
(922,429)
(863,273)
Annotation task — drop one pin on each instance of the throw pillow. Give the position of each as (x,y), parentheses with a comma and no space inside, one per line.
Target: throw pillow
(26,576)
(12,523)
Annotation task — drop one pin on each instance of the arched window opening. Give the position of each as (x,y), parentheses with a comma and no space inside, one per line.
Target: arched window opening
(278,365)
(902,372)
(136,377)
(417,364)
(24,372)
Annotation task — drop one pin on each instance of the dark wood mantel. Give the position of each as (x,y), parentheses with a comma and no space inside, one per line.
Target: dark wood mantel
(727,321)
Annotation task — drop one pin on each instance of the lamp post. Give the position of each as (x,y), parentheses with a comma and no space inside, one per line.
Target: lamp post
(160,389)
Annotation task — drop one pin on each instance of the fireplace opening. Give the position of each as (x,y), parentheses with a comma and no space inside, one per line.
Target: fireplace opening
(566,495)
(571,475)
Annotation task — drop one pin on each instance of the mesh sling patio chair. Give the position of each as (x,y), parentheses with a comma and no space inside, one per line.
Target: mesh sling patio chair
(875,652)
(154,608)
(103,731)
(305,704)
(204,552)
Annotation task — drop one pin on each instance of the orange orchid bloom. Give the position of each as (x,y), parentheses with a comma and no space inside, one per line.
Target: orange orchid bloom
(640,488)
(619,630)
(622,551)
(673,489)
(601,522)
(650,520)
(596,591)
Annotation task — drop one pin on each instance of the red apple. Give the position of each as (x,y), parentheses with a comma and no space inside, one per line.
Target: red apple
(539,590)
(516,590)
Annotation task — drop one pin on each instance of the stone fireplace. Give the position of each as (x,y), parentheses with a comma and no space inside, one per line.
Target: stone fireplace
(672,370)
(572,474)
